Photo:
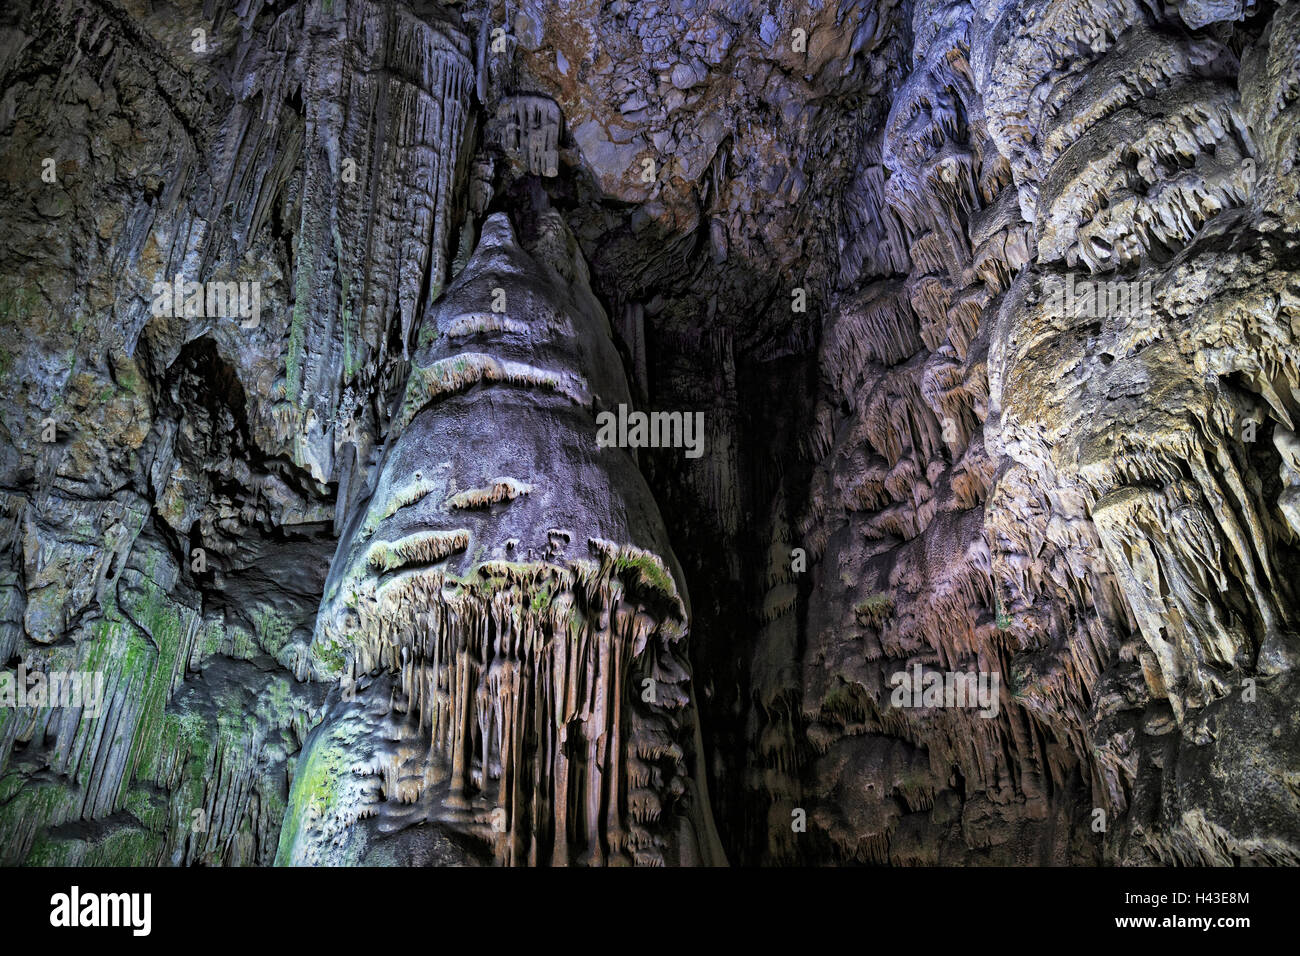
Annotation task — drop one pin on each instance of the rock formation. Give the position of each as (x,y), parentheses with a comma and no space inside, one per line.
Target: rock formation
(310,313)
(520,587)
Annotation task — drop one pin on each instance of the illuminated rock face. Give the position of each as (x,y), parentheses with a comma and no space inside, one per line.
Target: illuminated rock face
(509,604)
(1096,500)
(1151,165)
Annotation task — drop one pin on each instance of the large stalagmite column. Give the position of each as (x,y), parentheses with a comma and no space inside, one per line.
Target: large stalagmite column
(508,606)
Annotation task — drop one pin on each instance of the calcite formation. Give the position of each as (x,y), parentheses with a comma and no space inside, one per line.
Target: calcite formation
(520,588)
(1156,423)
(988,310)
(1118,535)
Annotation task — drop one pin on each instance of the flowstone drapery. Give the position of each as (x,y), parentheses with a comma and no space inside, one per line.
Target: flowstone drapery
(507,606)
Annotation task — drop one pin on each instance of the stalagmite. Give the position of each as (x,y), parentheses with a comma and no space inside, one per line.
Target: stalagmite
(539,705)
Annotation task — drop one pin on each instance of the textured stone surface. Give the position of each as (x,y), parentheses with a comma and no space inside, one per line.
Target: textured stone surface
(521,585)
